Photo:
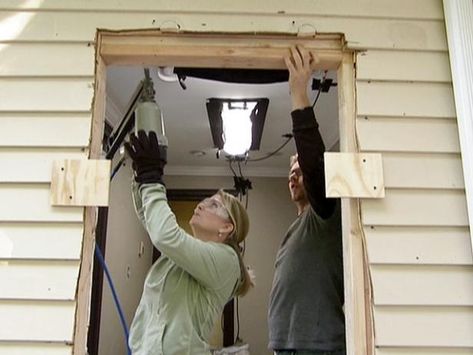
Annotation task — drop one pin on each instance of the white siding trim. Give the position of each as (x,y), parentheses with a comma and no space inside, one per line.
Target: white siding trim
(459,23)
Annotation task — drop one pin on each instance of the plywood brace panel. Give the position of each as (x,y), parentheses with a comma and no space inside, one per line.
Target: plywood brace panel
(354,175)
(80,182)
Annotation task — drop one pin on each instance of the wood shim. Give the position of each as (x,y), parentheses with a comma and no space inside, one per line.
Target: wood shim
(80,182)
(354,175)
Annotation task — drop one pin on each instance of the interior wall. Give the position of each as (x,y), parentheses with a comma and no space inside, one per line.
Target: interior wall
(126,239)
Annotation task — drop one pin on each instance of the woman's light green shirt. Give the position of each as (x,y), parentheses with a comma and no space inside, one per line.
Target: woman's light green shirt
(186,289)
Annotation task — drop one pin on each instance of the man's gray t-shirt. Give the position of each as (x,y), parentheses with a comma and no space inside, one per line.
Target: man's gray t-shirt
(305,309)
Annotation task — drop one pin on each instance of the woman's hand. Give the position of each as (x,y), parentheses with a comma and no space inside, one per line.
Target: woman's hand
(148,160)
(299,65)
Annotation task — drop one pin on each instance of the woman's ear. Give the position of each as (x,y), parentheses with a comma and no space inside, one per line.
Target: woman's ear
(226,229)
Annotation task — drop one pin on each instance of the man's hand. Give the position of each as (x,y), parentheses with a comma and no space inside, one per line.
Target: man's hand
(298,64)
(148,162)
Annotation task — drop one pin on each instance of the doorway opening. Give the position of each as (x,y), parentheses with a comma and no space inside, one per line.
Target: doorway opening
(139,49)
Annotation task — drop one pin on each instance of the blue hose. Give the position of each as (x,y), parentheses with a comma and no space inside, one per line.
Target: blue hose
(99,256)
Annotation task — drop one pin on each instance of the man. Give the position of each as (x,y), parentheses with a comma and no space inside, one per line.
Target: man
(305,310)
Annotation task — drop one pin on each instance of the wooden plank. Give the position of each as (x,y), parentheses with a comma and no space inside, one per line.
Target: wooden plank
(39,280)
(37,321)
(357,306)
(80,182)
(419,245)
(84,284)
(408,134)
(259,51)
(31,348)
(61,241)
(422,9)
(354,175)
(424,326)
(424,351)
(412,285)
(387,65)
(51,59)
(30,203)
(60,94)
(417,207)
(405,99)
(435,171)
(362,33)
(214,56)
(23,129)
(33,165)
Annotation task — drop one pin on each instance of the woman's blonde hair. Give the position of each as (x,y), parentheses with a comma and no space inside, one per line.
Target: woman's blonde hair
(241,224)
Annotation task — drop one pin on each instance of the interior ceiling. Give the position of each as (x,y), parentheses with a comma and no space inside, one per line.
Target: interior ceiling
(187,124)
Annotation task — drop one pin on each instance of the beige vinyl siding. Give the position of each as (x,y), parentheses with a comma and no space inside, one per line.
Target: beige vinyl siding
(27,240)
(23,128)
(408,245)
(18,348)
(37,321)
(363,32)
(425,351)
(422,9)
(33,164)
(425,326)
(417,236)
(426,170)
(49,280)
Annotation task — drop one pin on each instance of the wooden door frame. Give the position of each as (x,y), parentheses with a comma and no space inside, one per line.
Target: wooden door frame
(237,50)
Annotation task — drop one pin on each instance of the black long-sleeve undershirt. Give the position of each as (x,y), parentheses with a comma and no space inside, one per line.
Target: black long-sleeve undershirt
(310,150)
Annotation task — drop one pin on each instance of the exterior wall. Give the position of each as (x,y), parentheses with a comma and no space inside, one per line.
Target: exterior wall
(417,237)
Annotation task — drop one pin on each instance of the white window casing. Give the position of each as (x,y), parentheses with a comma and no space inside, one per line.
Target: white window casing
(459,26)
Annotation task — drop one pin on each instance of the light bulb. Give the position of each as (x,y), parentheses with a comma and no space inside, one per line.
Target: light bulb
(237,127)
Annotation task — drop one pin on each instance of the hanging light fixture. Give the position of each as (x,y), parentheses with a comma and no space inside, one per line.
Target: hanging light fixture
(237,124)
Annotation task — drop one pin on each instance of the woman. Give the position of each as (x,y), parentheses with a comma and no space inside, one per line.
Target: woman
(186,289)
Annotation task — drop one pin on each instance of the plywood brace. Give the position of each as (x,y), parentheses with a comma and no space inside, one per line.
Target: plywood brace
(354,175)
(80,182)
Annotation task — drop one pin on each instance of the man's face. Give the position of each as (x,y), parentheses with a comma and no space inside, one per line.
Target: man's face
(296,184)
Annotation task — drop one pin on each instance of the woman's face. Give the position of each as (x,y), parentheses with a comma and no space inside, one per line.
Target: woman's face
(210,215)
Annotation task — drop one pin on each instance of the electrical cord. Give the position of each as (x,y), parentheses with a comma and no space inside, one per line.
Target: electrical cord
(288,136)
(320,89)
(316,97)
(117,167)
(98,254)
(237,321)
(239,168)
(231,167)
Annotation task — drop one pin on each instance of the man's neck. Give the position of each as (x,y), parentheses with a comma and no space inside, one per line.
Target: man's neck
(301,206)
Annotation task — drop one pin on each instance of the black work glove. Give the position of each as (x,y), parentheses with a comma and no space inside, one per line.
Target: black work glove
(149,158)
